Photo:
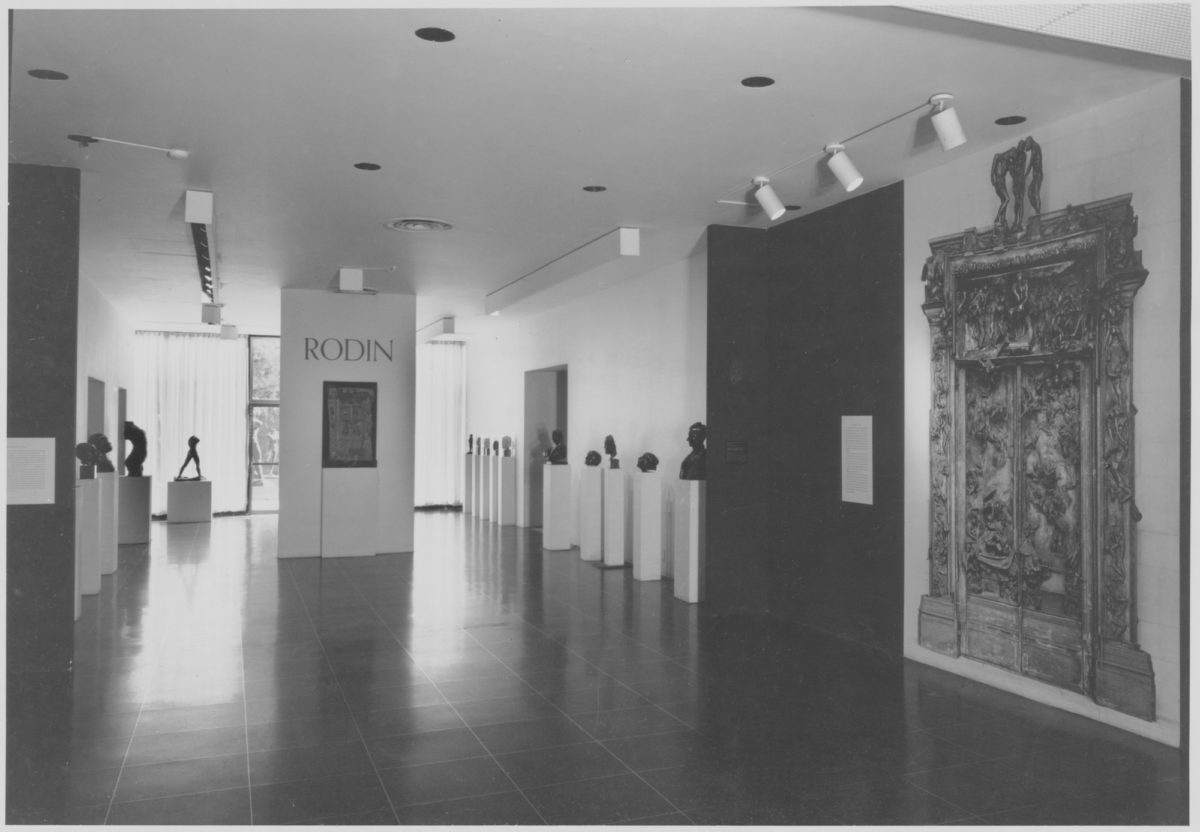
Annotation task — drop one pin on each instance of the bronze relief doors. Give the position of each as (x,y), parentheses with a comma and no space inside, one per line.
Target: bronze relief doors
(1032,518)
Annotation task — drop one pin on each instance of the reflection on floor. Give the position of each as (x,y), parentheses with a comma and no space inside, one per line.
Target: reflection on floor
(485,681)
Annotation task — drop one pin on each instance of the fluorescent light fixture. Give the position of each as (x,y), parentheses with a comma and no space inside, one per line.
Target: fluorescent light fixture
(945,121)
(767,198)
(842,167)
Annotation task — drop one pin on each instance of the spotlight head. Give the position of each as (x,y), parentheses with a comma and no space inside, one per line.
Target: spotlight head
(768,199)
(945,121)
(842,167)
(177,153)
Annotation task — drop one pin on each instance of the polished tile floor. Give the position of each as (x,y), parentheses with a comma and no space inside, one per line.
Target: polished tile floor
(484,681)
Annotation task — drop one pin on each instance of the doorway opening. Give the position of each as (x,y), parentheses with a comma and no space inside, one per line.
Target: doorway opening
(545,412)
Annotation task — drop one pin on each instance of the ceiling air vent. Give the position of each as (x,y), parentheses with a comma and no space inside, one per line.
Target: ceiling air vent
(412,224)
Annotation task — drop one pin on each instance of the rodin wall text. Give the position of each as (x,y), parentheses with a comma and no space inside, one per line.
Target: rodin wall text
(346,349)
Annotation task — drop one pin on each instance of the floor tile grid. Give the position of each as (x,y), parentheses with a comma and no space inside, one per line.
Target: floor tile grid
(514,671)
(490,755)
(123,577)
(345,700)
(589,734)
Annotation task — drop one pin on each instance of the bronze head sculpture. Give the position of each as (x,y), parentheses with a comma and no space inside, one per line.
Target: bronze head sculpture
(694,464)
(592,459)
(647,462)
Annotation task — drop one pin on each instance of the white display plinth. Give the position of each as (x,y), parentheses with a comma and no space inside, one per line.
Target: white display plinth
(468,483)
(591,513)
(87,535)
(189,501)
(485,489)
(689,540)
(133,510)
(616,514)
(349,512)
(556,507)
(476,484)
(108,522)
(494,511)
(508,491)
(647,526)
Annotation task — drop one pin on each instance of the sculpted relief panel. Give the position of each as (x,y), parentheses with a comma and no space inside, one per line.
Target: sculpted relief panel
(1032,557)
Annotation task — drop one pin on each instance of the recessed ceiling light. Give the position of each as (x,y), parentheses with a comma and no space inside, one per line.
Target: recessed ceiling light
(594,189)
(1006,121)
(435,34)
(367,166)
(417,224)
(48,74)
(757,81)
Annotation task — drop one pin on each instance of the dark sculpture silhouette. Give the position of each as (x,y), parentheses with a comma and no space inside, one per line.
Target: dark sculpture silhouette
(471,443)
(506,444)
(592,459)
(610,448)
(85,452)
(192,456)
(694,465)
(137,456)
(647,462)
(1016,163)
(557,455)
(100,442)
(496,447)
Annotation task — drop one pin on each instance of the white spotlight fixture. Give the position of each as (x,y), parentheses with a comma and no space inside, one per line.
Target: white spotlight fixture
(767,198)
(945,121)
(842,167)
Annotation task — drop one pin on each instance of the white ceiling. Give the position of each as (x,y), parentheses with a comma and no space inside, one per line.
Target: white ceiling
(495,132)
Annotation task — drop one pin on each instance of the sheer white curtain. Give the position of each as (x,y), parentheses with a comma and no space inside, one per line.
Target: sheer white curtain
(193,385)
(441,423)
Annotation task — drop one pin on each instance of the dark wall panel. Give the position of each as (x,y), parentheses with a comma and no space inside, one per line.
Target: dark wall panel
(43,293)
(836,349)
(738,387)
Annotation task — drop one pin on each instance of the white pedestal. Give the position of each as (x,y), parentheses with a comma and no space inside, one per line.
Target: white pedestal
(87,535)
(468,483)
(108,522)
(556,507)
(349,512)
(689,540)
(508,491)
(616,515)
(591,513)
(485,489)
(189,501)
(647,525)
(476,485)
(133,510)
(494,465)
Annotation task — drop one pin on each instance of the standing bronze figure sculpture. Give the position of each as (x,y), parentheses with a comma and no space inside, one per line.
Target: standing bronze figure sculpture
(694,465)
(1016,163)
(137,456)
(192,456)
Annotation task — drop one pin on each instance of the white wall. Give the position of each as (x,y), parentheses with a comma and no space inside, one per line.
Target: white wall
(105,352)
(310,313)
(1130,145)
(635,359)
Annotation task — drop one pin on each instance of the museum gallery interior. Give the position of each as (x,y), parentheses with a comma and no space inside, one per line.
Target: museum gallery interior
(714,415)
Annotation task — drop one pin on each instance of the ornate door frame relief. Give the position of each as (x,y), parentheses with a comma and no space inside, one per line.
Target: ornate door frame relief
(1056,290)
